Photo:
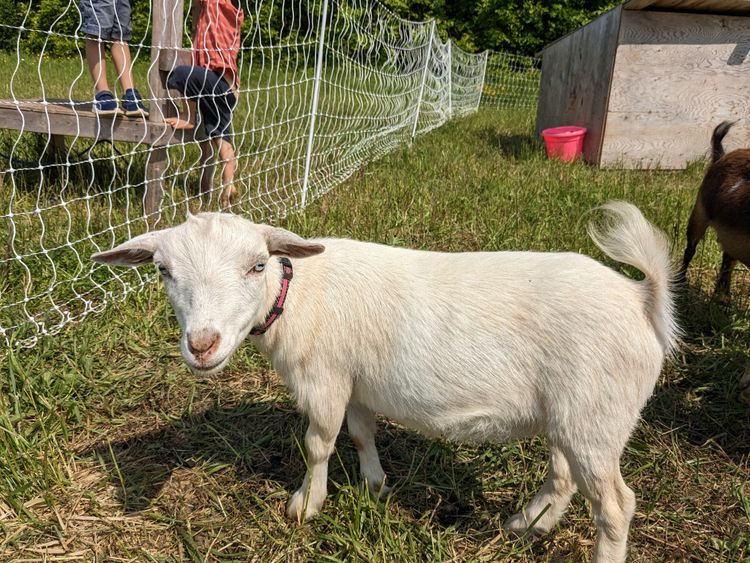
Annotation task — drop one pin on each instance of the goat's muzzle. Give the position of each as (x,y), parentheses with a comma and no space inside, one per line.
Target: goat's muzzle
(203,343)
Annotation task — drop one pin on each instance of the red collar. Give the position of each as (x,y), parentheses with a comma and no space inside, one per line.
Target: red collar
(278,307)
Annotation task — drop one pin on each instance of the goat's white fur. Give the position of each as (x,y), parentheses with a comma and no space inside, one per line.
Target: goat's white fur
(471,347)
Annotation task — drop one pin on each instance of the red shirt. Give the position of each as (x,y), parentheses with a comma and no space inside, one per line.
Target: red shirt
(217,38)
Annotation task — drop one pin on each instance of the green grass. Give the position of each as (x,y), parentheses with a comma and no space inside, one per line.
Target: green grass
(111,449)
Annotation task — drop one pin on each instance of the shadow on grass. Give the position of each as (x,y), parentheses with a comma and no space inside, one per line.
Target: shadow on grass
(702,402)
(260,441)
(513,146)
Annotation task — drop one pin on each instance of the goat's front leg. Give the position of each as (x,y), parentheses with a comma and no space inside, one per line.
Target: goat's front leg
(325,409)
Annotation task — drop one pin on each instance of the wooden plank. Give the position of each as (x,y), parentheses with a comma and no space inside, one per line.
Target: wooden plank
(676,77)
(576,73)
(61,119)
(74,121)
(738,7)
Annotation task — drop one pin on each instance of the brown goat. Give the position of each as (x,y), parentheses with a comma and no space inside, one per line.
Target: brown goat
(723,203)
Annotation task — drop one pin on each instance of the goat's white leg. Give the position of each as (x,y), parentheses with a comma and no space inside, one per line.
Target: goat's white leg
(551,501)
(612,504)
(362,427)
(325,422)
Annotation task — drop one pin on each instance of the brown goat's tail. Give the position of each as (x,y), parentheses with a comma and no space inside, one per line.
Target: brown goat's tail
(717,151)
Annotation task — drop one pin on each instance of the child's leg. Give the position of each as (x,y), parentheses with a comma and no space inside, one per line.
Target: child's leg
(97,65)
(186,118)
(187,81)
(123,64)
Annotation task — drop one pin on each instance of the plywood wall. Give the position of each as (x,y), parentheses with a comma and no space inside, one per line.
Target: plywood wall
(676,76)
(576,72)
(705,6)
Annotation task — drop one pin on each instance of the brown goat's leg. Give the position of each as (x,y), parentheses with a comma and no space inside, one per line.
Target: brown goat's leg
(725,277)
(697,226)
(745,384)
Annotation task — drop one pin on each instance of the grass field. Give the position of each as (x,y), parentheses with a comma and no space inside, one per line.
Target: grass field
(111,450)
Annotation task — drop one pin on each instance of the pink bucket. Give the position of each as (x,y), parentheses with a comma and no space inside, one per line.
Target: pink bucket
(564,143)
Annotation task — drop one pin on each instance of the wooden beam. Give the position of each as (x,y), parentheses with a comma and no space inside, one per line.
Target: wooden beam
(736,7)
(54,118)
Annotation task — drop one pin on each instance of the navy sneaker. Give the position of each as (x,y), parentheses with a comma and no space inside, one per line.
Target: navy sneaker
(105,103)
(132,104)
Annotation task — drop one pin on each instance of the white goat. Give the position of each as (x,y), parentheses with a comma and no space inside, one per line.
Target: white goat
(472,346)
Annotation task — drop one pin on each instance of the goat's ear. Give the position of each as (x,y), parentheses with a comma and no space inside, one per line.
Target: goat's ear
(134,252)
(281,242)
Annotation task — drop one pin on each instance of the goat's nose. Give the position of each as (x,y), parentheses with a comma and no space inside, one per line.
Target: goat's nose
(203,343)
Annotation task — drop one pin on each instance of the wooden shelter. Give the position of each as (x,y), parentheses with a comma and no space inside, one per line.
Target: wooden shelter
(650,79)
(58,118)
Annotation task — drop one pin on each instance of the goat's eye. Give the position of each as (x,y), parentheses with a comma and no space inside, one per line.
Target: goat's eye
(164,271)
(259,267)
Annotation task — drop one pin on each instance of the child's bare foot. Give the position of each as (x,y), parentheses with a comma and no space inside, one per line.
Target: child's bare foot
(178,122)
(228,194)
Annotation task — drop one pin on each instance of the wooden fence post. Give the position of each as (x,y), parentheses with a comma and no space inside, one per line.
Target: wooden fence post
(166,40)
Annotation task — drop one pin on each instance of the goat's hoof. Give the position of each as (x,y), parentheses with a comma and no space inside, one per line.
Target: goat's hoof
(379,490)
(301,508)
(517,525)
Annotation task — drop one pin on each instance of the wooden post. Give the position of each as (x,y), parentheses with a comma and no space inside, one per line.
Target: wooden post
(166,39)
(207,166)
(55,153)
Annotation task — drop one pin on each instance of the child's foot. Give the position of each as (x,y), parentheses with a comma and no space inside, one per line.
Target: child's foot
(132,104)
(105,104)
(228,194)
(178,122)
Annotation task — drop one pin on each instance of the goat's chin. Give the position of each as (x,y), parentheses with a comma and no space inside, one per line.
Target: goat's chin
(211,369)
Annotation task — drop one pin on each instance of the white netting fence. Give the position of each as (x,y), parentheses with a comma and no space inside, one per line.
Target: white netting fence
(323,87)
(511,81)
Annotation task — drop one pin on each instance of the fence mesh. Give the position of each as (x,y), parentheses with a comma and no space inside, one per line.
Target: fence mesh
(323,87)
(511,81)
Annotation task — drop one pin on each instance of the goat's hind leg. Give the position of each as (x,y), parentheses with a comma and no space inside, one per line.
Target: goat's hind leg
(597,474)
(362,427)
(745,384)
(724,282)
(697,226)
(541,514)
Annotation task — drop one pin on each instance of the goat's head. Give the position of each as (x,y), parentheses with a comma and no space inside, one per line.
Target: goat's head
(220,277)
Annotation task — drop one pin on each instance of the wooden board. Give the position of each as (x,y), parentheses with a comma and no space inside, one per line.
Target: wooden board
(60,118)
(704,6)
(676,77)
(576,73)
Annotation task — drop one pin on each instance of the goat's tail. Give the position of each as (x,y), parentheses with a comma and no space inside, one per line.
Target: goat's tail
(717,150)
(626,236)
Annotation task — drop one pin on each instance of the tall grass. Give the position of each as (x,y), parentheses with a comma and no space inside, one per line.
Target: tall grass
(111,449)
